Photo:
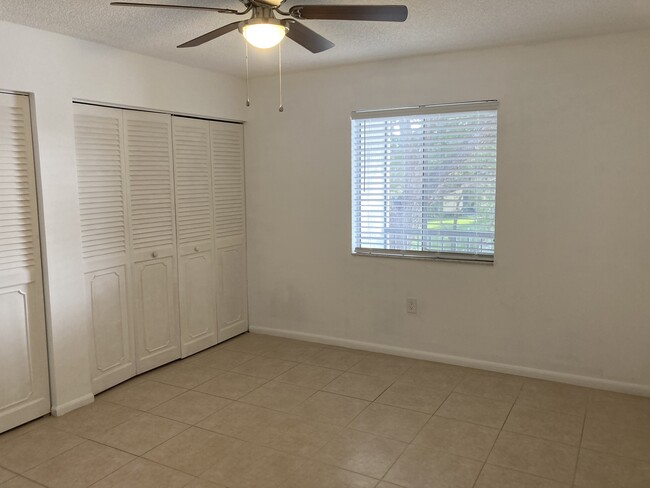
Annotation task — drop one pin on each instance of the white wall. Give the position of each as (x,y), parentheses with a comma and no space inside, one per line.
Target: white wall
(569,290)
(568,296)
(57,69)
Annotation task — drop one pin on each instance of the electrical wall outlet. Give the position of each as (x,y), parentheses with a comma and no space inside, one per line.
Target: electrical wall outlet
(411,305)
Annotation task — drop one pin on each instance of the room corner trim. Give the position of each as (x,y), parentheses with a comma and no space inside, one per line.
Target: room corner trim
(573,379)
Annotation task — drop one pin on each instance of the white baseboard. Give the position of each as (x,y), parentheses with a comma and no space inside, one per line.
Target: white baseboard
(573,379)
(58,410)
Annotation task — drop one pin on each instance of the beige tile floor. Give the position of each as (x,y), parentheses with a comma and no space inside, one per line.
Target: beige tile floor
(265,412)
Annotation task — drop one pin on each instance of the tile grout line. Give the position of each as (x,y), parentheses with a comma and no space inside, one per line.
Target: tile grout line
(536,438)
(48,460)
(109,474)
(16,475)
(521,387)
(86,440)
(383,478)
(582,434)
(367,406)
(347,426)
(530,437)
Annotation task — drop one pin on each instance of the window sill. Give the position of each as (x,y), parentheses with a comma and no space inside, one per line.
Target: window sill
(451,258)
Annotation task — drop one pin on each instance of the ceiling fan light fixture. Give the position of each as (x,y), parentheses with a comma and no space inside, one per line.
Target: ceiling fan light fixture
(264,33)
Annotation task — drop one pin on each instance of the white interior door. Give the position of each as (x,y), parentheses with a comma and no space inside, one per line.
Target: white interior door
(150,177)
(24,383)
(194,227)
(227,142)
(104,240)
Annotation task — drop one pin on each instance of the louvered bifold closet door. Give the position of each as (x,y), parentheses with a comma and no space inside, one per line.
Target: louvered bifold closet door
(150,178)
(227,142)
(194,231)
(105,243)
(24,385)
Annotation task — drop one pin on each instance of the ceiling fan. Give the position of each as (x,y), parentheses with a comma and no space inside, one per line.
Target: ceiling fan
(264,30)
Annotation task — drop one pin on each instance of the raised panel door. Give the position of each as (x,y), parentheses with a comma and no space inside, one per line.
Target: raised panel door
(152,220)
(24,382)
(227,150)
(194,224)
(105,243)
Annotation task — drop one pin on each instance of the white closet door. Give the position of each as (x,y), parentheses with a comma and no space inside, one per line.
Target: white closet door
(150,177)
(24,383)
(227,142)
(194,222)
(104,240)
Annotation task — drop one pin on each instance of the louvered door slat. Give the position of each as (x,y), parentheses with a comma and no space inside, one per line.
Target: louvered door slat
(16,189)
(150,176)
(192,173)
(228,179)
(100,176)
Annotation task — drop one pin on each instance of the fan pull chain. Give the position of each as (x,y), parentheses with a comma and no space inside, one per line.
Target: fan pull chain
(281,109)
(248,91)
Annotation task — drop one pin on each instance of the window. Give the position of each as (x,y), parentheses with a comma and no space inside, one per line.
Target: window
(424,181)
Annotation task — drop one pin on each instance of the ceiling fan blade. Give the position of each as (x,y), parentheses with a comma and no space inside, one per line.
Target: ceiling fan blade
(185,7)
(380,13)
(211,35)
(307,38)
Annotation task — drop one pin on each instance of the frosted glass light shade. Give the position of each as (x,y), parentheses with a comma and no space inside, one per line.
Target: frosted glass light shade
(264,35)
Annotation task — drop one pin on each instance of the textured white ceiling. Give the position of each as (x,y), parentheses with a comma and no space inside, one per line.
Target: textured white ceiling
(433,26)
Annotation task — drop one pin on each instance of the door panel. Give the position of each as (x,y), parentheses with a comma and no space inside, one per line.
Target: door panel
(15,365)
(104,242)
(150,182)
(232,290)
(192,181)
(195,229)
(198,307)
(24,382)
(111,351)
(157,338)
(102,186)
(150,176)
(227,143)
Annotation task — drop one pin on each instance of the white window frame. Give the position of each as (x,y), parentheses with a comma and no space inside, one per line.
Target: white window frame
(359,232)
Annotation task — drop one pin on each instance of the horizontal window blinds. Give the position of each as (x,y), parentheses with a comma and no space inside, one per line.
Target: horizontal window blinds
(424,181)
